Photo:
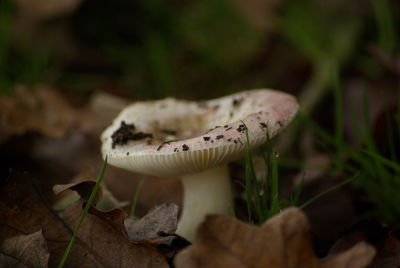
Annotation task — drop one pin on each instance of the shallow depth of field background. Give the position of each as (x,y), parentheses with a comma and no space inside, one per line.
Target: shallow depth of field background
(340,58)
(192,49)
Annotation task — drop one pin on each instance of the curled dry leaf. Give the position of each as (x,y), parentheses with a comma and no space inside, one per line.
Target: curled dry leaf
(79,189)
(104,199)
(83,190)
(99,243)
(282,242)
(161,219)
(30,249)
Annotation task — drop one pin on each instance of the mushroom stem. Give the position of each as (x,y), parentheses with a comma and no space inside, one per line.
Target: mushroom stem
(207,192)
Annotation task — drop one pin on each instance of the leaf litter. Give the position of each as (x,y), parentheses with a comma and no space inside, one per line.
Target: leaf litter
(31,249)
(99,243)
(284,241)
(162,219)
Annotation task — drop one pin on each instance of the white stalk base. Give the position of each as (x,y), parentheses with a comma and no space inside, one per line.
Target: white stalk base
(207,192)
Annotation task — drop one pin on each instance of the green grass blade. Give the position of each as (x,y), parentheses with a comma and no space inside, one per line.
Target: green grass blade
(383,160)
(386,25)
(318,196)
(275,203)
(83,214)
(294,198)
(338,96)
(135,198)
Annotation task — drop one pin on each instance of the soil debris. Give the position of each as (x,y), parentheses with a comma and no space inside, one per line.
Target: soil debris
(263,125)
(241,128)
(125,133)
(185,147)
(163,144)
(237,102)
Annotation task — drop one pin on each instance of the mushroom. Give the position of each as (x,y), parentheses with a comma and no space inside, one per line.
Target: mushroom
(195,141)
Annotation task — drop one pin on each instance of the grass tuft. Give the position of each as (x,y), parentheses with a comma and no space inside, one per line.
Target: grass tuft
(262,194)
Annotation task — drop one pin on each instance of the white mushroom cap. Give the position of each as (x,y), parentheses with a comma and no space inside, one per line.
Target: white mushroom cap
(204,134)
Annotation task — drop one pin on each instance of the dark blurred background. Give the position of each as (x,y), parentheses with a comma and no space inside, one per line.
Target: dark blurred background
(340,58)
(193,49)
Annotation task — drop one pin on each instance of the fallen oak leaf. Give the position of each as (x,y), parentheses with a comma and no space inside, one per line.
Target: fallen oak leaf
(30,249)
(162,219)
(114,218)
(98,244)
(113,247)
(155,228)
(284,241)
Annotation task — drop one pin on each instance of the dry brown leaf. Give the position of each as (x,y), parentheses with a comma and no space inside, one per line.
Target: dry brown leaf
(161,219)
(260,13)
(107,245)
(282,242)
(99,243)
(389,255)
(43,9)
(104,200)
(30,249)
(42,110)
(7,261)
(101,109)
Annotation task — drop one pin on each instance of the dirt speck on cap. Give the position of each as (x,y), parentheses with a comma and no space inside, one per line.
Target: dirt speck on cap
(237,102)
(241,128)
(126,133)
(185,147)
(162,145)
